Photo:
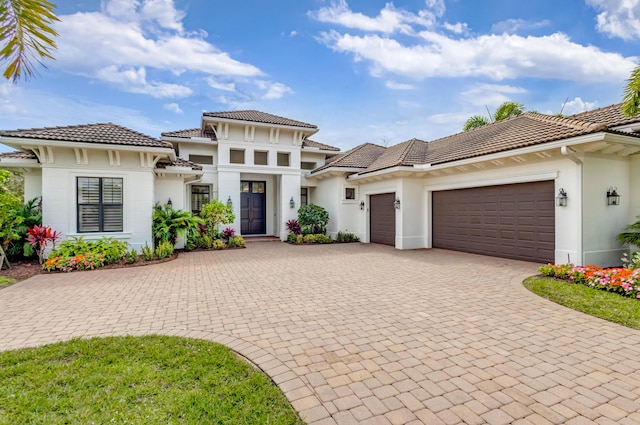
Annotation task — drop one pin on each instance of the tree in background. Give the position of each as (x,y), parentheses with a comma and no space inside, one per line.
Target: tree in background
(631,101)
(506,110)
(26,33)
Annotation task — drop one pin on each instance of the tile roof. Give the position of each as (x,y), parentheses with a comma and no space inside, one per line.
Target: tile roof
(411,152)
(361,156)
(257,116)
(18,155)
(192,132)
(321,146)
(610,115)
(103,133)
(179,162)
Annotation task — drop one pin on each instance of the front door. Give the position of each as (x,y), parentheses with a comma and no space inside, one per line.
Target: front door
(253,208)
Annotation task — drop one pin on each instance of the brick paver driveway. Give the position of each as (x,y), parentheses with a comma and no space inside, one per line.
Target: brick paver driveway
(361,333)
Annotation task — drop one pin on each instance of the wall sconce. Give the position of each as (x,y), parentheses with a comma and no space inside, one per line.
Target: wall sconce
(612,196)
(229,202)
(561,199)
(396,203)
(292,203)
(169,203)
(362,205)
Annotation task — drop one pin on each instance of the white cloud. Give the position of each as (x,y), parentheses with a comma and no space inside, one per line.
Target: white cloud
(135,81)
(173,107)
(618,18)
(399,86)
(219,85)
(496,57)
(390,19)
(511,26)
(273,90)
(457,28)
(490,95)
(578,105)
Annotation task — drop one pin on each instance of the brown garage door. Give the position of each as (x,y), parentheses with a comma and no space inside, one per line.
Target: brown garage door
(511,221)
(382,221)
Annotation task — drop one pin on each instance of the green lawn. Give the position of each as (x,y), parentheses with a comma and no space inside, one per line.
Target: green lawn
(136,380)
(605,305)
(5,281)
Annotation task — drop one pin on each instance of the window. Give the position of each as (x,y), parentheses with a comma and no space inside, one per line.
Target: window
(260,158)
(201,159)
(99,204)
(200,195)
(307,165)
(304,196)
(283,159)
(350,193)
(236,156)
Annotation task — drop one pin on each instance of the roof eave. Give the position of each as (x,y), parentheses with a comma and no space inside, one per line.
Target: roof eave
(334,169)
(189,139)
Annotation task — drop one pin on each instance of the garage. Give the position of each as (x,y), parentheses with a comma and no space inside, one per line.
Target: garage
(382,219)
(510,221)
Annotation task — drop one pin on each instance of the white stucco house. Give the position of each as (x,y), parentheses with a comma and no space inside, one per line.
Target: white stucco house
(533,187)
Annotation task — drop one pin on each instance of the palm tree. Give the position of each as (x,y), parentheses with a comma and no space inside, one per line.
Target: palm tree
(631,101)
(506,110)
(168,223)
(26,33)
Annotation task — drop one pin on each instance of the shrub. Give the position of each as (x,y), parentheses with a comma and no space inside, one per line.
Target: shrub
(39,237)
(168,224)
(632,262)
(147,252)
(631,234)
(131,256)
(294,228)
(218,244)
(313,219)
(236,242)
(228,233)
(164,250)
(317,238)
(346,237)
(112,250)
(14,236)
(216,213)
(87,261)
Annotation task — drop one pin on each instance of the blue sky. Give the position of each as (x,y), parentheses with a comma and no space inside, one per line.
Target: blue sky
(362,71)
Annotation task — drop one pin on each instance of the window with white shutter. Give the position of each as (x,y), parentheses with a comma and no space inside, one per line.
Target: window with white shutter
(99,204)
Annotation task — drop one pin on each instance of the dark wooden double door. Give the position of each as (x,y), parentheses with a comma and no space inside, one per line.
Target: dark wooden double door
(253,207)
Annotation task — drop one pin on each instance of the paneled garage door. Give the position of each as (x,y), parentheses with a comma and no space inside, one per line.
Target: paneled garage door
(511,221)
(382,219)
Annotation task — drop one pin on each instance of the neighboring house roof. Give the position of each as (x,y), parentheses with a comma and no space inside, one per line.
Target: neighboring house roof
(361,156)
(102,133)
(179,162)
(257,116)
(321,146)
(18,155)
(610,115)
(192,132)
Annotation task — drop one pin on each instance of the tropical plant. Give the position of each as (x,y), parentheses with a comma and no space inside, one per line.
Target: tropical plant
(631,100)
(168,224)
(294,228)
(26,33)
(163,250)
(217,244)
(236,242)
(228,233)
(630,234)
(147,252)
(506,110)
(216,213)
(39,237)
(27,215)
(313,219)
(111,250)
(346,237)
(9,204)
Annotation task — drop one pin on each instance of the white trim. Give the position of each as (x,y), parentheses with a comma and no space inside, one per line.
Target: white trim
(521,178)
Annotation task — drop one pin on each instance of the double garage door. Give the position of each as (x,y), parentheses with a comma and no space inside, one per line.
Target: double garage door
(511,221)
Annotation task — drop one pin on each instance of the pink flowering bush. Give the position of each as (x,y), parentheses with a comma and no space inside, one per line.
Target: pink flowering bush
(623,281)
(88,261)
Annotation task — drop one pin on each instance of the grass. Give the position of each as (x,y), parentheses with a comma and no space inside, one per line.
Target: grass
(605,305)
(6,281)
(137,380)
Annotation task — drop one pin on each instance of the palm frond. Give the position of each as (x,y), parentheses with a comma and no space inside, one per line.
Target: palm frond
(475,122)
(631,100)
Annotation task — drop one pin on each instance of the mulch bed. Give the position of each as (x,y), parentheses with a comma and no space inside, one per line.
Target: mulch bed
(21,270)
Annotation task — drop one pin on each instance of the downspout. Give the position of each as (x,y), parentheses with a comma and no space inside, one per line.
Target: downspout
(569,154)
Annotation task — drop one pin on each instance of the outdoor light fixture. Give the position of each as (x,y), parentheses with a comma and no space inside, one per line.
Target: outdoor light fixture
(169,203)
(561,199)
(229,202)
(396,203)
(612,196)
(292,203)
(362,205)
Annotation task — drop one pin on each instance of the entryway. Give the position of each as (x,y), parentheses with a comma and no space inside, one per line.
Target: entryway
(253,207)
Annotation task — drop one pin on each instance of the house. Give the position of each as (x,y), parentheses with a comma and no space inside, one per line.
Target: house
(534,187)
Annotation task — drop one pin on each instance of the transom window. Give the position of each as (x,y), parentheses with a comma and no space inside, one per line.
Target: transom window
(99,202)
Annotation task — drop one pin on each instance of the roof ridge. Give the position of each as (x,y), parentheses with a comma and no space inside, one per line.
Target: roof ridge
(573,123)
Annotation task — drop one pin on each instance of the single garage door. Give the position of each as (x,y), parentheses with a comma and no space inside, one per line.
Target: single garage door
(511,221)
(382,219)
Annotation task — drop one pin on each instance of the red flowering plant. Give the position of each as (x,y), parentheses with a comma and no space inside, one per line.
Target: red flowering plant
(228,233)
(39,237)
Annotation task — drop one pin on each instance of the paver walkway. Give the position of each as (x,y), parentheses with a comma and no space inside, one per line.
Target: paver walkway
(361,334)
